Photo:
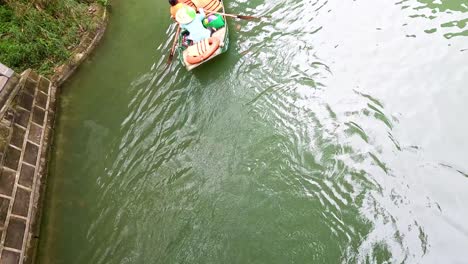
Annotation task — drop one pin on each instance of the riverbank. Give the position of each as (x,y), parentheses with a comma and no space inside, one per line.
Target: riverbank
(31,38)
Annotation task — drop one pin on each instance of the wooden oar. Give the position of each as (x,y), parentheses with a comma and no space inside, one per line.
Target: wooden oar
(171,55)
(236,16)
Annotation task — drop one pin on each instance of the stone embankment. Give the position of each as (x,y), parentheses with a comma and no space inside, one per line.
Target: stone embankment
(27,112)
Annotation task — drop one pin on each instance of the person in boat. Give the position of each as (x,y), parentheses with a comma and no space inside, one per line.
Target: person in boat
(174,7)
(176,4)
(189,20)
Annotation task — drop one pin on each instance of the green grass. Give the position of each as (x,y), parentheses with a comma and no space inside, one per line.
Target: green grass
(41,36)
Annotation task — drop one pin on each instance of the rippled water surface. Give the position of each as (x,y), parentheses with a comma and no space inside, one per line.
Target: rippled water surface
(330,132)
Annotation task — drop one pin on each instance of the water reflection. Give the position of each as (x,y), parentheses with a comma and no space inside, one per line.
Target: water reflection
(446,16)
(324,135)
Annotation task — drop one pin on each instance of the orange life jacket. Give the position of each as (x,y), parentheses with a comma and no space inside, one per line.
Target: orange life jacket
(176,7)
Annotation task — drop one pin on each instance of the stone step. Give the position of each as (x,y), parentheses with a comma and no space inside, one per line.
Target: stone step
(5,71)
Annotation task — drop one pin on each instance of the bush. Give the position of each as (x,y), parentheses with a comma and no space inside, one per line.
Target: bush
(40,36)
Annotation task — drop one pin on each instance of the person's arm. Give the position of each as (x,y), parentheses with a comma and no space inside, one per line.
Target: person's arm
(202,13)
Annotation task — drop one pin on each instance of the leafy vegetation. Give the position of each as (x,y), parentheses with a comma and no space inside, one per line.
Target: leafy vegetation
(41,34)
(103,2)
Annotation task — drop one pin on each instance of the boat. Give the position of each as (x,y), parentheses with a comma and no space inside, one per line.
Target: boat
(214,46)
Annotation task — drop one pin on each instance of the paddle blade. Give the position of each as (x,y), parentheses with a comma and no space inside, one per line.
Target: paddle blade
(169,59)
(247,17)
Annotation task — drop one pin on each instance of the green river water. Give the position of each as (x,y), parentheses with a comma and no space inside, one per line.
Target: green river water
(330,132)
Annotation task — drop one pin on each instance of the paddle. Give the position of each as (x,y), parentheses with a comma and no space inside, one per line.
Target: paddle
(236,16)
(171,55)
